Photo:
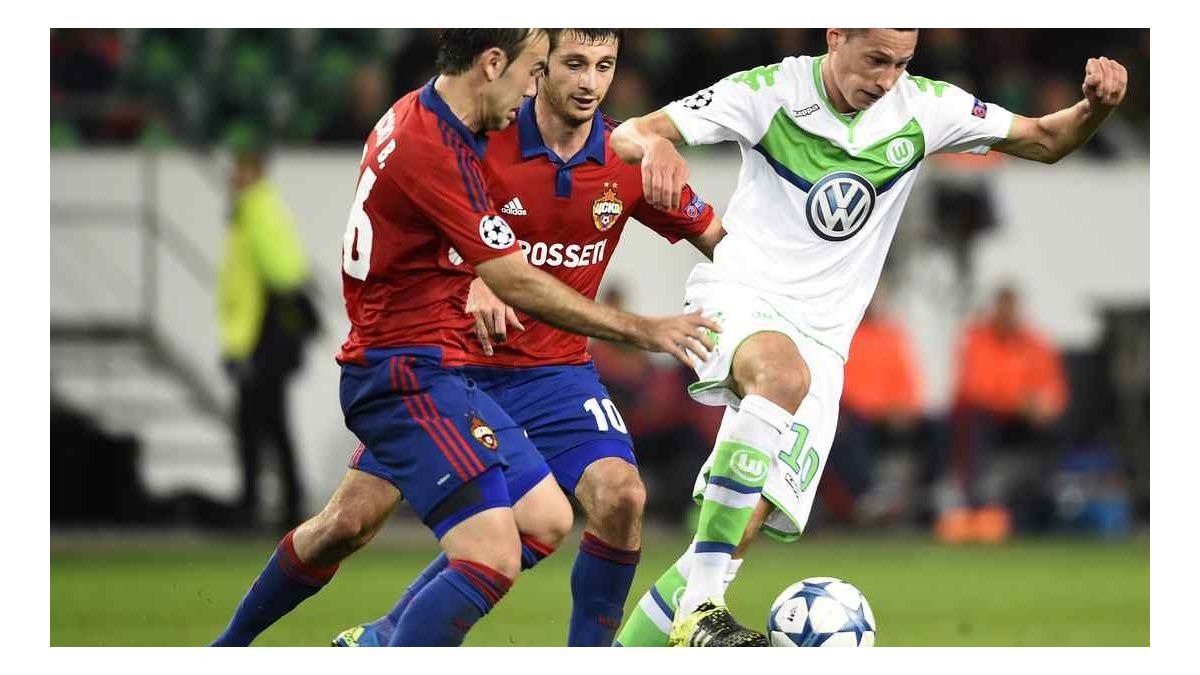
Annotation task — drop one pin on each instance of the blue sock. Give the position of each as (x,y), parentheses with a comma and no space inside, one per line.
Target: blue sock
(284,583)
(532,552)
(600,583)
(441,613)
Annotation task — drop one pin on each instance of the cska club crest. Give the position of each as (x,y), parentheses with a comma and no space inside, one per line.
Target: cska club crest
(481,432)
(607,209)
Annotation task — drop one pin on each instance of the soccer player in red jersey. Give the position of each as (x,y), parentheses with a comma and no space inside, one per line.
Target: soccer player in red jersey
(429,433)
(568,215)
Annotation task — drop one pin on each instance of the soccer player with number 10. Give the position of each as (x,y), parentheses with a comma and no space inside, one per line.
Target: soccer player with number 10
(831,147)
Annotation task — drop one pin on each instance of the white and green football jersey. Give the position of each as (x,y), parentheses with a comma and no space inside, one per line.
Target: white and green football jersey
(820,193)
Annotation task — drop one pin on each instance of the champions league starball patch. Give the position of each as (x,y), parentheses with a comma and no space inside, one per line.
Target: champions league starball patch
(495,232)
(698,100)
(607,209)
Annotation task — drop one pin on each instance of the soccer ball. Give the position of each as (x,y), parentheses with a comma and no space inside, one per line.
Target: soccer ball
(821,612)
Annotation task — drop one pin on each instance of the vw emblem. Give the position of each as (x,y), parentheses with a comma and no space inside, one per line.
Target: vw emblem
(839,205)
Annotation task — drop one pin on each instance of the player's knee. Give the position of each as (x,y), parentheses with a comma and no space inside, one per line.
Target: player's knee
(784,382)
(503,557)
(552,525)
(621,499)
(347,529)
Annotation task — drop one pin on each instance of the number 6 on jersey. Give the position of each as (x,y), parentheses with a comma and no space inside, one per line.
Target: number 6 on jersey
(356,242)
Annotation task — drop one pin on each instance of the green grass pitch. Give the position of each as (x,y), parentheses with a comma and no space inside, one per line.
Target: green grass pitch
(1030,592)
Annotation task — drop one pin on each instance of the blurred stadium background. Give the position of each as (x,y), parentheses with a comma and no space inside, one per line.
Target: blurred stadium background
(150,546)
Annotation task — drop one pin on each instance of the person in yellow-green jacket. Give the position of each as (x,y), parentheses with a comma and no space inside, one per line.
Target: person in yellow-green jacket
(266,315)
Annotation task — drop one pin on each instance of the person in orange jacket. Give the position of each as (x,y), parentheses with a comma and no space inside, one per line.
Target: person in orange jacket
(1010,392)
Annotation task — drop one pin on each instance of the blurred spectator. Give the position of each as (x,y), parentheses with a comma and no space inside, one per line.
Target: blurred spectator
(672,434)
(880,412)
(1010,392)
(265,316)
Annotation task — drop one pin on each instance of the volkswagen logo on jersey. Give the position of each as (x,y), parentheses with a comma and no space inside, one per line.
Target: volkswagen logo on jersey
(495,232)
(607,209)
(839,205)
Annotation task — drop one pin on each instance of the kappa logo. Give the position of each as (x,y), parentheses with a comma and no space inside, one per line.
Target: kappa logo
(607,209)
(495,232)
(839,205)
(805,112)
(481,432)
(514,208)
(747,466)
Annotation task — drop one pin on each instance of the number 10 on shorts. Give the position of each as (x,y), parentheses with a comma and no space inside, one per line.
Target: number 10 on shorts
(791,457)
(606,414)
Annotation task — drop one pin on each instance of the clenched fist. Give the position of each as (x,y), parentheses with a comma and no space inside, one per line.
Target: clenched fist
(1104,82)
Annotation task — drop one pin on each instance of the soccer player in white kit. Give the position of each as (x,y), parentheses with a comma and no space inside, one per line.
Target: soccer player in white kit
(831,146)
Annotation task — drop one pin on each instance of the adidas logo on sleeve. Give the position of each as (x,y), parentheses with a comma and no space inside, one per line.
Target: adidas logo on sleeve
(514,208)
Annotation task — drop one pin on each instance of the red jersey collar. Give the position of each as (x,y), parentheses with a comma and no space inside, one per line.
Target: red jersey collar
(434,103)
(532,144)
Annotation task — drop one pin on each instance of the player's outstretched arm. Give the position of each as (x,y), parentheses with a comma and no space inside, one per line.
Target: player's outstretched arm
(651,140)
(1054,136)
(541,295)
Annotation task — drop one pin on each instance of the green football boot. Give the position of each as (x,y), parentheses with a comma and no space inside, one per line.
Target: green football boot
(711,625)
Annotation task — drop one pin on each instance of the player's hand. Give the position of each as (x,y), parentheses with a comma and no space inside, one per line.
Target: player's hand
(1104,82)
(678,335)
(664,174)
(493,318)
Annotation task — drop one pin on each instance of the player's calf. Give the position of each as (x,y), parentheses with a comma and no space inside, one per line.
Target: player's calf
(484,558)
(613,497)
(308,556)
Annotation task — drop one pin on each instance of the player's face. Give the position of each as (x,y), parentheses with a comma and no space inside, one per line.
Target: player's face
(502,97)
(578,76)
(867,66)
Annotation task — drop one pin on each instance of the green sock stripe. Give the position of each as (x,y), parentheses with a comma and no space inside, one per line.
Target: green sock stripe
(639,629)
(721,523)
(669,583)
(741,464)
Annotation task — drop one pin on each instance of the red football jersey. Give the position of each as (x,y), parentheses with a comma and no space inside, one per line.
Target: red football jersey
(568,217)
(421,194)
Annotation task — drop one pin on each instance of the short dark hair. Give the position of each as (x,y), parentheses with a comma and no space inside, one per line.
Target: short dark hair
(587,35)
(858,32)
(459,47)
